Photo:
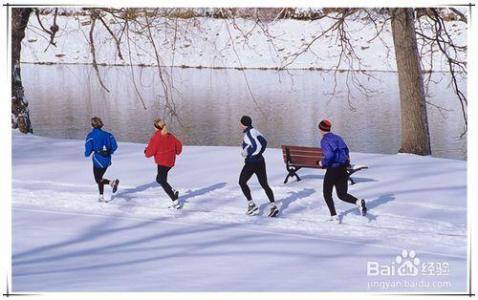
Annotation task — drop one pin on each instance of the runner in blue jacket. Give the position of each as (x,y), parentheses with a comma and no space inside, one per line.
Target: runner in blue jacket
(102,144)
(336,160)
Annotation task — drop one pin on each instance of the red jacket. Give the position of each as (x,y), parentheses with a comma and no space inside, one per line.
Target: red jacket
(164,148)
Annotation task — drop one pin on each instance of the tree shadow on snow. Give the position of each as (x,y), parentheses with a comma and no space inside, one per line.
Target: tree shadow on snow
(32,256)
(356,179)
(127,194)
(370,206)
(163,244)
(293,196)
(155,244)
(97,230)
(194,193)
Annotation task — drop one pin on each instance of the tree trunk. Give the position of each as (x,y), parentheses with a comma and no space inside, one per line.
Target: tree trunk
(20,112)
(414,135)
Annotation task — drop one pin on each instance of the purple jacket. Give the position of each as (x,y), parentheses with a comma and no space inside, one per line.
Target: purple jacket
(336,152)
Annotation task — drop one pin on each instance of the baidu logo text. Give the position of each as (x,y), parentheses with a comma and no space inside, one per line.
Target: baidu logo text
(406,264)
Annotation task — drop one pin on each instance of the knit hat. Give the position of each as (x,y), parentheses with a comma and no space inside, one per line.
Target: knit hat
(246,121)
(325,125)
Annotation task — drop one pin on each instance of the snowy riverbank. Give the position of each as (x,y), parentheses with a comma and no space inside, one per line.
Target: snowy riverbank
(227,43)
(63,240)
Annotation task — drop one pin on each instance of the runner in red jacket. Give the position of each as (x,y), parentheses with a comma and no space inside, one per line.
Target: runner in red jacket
(164,146)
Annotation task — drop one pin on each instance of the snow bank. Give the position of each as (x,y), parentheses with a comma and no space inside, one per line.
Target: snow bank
(65,240)
(225,43)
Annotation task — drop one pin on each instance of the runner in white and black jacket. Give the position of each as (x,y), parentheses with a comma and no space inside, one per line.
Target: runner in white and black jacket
(253,146)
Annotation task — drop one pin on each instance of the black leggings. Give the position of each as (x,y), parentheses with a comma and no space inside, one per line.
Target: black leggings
(337,177)
(259,169)
(162,179)
(99,172)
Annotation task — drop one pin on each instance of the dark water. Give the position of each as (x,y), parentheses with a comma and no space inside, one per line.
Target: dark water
(285,106)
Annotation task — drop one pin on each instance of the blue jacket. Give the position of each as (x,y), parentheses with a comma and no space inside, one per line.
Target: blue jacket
(253,145)
(102,144)
(336,152)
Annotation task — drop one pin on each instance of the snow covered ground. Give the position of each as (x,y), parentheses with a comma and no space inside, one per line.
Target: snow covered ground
(64,240)
(227,43)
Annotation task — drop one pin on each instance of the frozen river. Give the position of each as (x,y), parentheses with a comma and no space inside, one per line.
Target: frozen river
(285,105)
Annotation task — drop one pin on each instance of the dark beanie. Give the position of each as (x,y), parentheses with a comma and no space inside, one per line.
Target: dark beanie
(246,121)
(325,125)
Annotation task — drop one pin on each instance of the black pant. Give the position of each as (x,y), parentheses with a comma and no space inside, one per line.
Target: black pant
(99,172)
(337,177)
(259,169)
(162,179)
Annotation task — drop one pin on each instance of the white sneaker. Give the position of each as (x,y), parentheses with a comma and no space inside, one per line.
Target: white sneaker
(114,185)
(274,211)
(101,199)
(252,209)
(176,204)
(334,218)
(361,206)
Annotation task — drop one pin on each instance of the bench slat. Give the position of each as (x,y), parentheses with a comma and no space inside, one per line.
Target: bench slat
(304,153)
(304,156)
(306,166)
(303,149)
(300,148)
(303,161)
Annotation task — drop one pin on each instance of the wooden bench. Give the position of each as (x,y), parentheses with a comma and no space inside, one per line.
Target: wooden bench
(297,157)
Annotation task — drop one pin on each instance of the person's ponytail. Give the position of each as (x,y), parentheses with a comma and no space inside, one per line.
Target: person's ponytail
(164,131)
(161,125)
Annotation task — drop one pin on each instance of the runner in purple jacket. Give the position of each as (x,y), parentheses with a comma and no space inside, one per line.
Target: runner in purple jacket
(336,160)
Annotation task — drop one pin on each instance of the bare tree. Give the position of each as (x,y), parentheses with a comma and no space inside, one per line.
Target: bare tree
(20,112)
(414,133)
(415,137)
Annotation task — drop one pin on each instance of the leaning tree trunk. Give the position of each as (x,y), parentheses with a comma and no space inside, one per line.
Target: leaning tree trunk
(20,112)
(414,135)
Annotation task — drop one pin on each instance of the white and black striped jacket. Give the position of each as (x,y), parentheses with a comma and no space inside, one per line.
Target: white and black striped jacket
(253,145)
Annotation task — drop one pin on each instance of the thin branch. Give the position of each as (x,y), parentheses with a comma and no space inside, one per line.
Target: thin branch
(116,39)
(132,68)
(462,15)
(242,70)
(53,28)
(93,52)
